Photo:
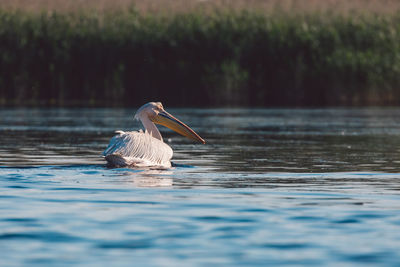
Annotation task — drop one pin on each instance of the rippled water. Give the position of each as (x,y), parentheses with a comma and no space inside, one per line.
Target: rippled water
(270,187)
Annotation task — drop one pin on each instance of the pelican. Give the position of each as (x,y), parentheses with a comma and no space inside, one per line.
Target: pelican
(146,148)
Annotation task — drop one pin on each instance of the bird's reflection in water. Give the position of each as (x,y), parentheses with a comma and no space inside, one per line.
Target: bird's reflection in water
(149,178)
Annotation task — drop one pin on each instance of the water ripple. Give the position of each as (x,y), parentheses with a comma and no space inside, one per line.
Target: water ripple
(271,187)
(52,237)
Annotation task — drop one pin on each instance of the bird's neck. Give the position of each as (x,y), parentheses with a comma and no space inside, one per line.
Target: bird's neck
(151,128)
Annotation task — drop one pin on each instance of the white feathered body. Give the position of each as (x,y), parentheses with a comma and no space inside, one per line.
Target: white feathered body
(139,149)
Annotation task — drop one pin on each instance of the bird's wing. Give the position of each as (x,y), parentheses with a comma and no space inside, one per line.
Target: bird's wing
(137,148)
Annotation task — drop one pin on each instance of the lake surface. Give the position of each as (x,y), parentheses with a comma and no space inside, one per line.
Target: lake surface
(271,187)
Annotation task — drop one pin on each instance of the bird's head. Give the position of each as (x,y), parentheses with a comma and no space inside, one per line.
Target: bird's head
(155,112)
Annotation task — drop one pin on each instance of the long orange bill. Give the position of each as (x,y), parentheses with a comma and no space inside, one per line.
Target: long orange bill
(167,120)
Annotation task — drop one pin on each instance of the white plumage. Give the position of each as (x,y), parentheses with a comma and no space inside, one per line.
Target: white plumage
(138,148)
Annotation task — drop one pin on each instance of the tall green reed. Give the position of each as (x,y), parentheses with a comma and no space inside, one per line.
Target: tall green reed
(224,57)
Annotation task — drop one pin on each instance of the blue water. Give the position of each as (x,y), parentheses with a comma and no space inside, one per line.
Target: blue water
(270,187)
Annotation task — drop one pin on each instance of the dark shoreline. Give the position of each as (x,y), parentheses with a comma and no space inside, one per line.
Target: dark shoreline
(223,58)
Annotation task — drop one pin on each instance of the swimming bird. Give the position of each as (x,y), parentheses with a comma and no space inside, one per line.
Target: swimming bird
(146,148)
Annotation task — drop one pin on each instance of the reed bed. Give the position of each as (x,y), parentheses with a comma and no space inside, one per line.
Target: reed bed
(215,54)
(172,7)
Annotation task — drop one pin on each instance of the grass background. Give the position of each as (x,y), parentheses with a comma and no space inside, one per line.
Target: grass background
(199,53)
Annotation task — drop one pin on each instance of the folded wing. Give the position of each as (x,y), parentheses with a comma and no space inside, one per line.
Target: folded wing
(137,149)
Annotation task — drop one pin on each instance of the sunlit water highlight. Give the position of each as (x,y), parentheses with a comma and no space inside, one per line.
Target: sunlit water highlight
(270,187)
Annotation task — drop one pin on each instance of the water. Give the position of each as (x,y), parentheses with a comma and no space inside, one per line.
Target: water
(270,187)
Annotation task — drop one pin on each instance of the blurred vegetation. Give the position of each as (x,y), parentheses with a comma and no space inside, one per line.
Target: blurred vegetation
(223,57)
